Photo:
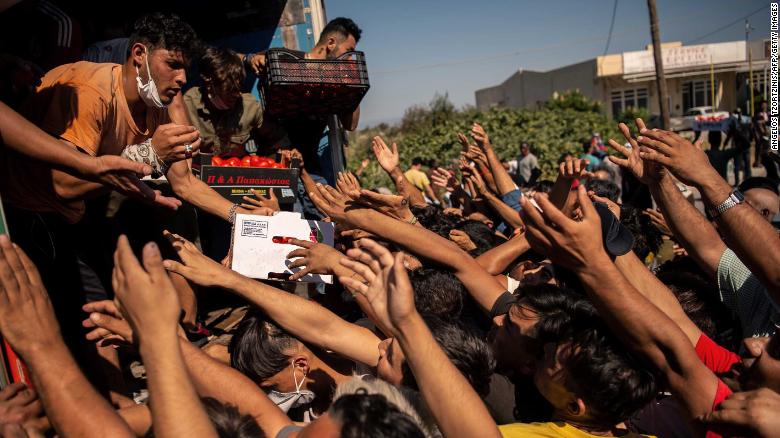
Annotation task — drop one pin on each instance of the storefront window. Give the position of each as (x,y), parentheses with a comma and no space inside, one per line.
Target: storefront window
(630,98)
(697,93)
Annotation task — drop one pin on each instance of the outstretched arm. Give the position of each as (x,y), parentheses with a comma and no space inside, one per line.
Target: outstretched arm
(457,408)
(388,159)
(28,323)
(497,260)
(151,305)
(504,183)
(423,243)
(305,319)
(752,238)
(641,325)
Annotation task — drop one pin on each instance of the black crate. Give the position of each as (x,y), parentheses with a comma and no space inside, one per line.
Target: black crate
(294,86)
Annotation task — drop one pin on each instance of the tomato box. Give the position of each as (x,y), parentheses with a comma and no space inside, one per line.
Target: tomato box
(236,182)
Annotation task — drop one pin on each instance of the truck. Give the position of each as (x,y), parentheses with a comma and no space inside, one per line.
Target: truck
(700,118)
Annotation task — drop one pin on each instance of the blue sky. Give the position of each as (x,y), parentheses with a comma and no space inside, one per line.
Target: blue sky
(415,49)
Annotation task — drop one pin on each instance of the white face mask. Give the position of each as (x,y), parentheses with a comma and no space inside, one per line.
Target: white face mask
(289,400)
(148,92)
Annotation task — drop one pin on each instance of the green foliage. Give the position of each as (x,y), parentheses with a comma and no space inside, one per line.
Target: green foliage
(574,100)
(630,114)
(431,133)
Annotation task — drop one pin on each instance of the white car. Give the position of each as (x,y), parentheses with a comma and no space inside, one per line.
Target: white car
(700,116)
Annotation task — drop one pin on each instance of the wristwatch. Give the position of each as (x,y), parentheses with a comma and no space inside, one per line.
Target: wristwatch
(735,198)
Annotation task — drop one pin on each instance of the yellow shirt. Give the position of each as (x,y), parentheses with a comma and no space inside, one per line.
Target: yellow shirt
(418,179)
(550,430)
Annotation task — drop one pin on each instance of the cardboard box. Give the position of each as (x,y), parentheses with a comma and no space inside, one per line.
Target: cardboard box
(236,182)
(257,250)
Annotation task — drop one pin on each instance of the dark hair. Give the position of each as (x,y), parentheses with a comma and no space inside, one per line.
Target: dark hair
(342,26)
(223,68)
(432,217)
(165,31)
(228,421)
(599,369)
(699,300)
(554,306)
(586,145)
(479,233)
(437,292)
(417,160)
(259,349)
(647,238)
(372,416)
(467,351)
(758,182)
(543,186)
(605,189)
(525,144)
(563,156)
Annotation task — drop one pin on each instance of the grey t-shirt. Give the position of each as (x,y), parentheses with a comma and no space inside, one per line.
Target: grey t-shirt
(743,294)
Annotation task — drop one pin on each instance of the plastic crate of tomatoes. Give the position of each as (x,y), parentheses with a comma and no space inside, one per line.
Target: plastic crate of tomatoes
(235,177)
(294,86)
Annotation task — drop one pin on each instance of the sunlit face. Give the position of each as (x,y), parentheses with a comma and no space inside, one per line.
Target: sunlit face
(513,339)
(391,359)
(284,380)
(168,71)
(550,378)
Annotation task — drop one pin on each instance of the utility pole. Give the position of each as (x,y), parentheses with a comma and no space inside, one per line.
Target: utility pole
(750,66)
(660,78)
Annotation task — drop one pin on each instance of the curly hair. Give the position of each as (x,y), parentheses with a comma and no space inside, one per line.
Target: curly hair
(165,31)
(223,68)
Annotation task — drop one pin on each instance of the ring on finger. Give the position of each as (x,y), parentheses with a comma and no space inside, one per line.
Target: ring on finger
(188,151)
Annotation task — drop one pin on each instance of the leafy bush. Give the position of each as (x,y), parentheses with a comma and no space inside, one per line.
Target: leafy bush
(431,133)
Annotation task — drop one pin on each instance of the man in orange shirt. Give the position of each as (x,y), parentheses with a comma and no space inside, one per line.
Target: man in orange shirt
(103,109)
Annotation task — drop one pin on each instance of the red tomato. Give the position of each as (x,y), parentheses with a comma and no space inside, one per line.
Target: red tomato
(246,161)
(255,161)
(232,162)
(278,166)
(217,161)
(264,163)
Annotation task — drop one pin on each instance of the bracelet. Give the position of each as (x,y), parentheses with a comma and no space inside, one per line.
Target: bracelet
(412,221)
(232,214)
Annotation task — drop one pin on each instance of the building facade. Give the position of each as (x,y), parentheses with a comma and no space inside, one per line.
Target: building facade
(627,80)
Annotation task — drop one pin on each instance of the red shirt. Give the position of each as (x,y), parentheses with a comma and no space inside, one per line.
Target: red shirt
(719,360)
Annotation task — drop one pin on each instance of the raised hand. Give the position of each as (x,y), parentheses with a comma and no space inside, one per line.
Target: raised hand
(444,178)
(480,136)
(347,183)
(330,202)
(463,240)
(687,161)
(574,168)
(387,287)
(645,171)
(147,297)
(19,404)
(565,241)
(392,205)
(613,207)
(261,203)
(168,141)
(108,325)
(476,154)
(658,219)
(752,413)
(292,154)
(387,158)
(314,258)
(26,315)
(477,182)
(194,266)
(464,142)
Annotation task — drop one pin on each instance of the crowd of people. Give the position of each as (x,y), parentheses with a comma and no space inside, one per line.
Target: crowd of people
(476,301)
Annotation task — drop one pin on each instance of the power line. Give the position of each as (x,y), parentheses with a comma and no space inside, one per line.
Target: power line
(738,20)
(611,26)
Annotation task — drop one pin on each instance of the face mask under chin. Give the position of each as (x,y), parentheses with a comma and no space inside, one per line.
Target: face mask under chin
(288,400)
(148,92)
